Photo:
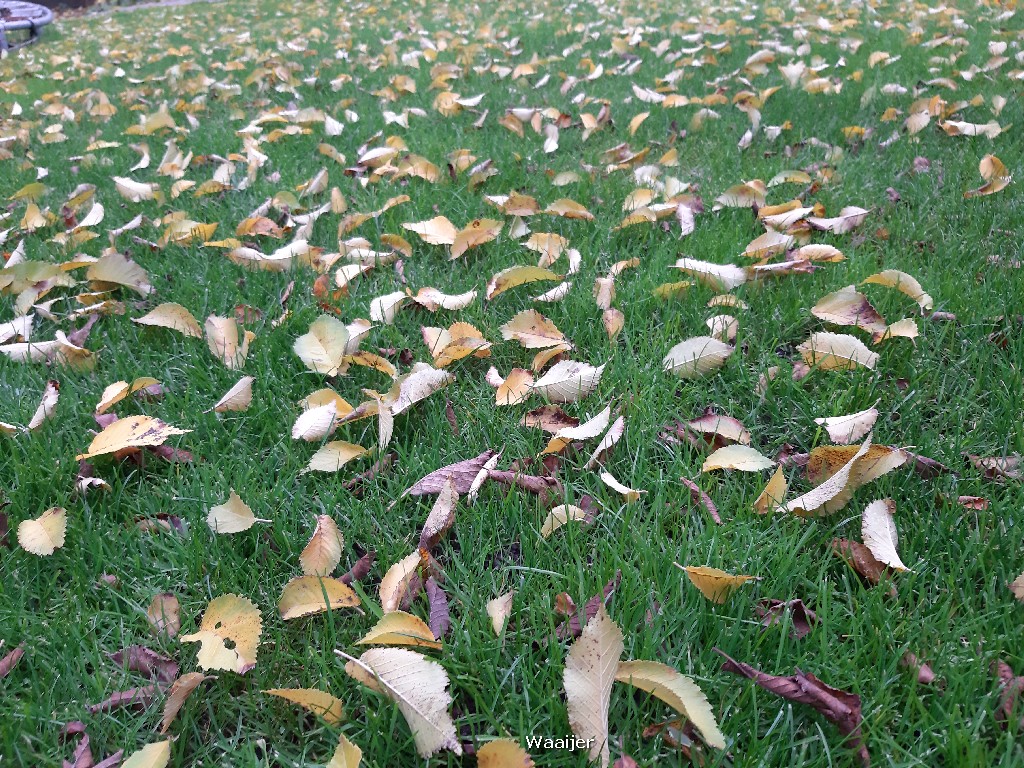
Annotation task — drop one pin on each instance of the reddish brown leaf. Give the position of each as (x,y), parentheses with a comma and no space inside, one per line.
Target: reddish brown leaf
(1011,687)
(997,467)
(564,604)
(972,502)
(772,612)
(839,707)
(698,496)
(550,418)
(82,757)
(138,658)
(8,662)
(440,619)
(359,571)
(546,488)
(79,337)
(133,698)
(862,561)
(462,474)
(927,468)
(449,413)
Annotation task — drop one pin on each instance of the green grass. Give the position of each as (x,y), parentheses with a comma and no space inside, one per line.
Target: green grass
(951,392)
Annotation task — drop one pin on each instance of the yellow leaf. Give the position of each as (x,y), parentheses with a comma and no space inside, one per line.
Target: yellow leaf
(568,381)
(532,330)
(116,268)
(516,276)
(904,283)
(173,316)
(995,174)
(559,516)
(228,618)
(477,232)
(45,534)
(773,495)
(324,346)
(499,609)
(181,689)
(131,432)
(395,583)
(238,398)
(696,357)
(400,628)
(436,231)
(323,552)
(346,755)
(678,691)
(515,388)
(155,755)
(333,456)
(836,352)
(741,457)
(223,340)
(590,667)
(318,702)
(716,585)
(306,595)
(503,753)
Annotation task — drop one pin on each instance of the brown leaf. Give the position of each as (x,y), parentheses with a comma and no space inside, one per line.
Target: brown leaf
(573,626)
(926,468)
(82,757)
(441,517)
(462,473)
(359,571)
(772,612)
(440,618)
(550,418)
(546,488)
(164,614)
(133,698)
(862,561)
(698,496)
(449,413)
(997,467)
(10,660)
(839,707)
(1011,690)
(138,658)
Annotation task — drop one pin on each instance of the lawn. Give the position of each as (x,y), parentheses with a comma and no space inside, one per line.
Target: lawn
(330,129)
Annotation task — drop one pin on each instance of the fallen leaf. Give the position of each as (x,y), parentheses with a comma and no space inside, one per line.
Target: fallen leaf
(222,337)
(851,428)
(181,689)
(47,405)
(925,675)
(238,398)
(45,534)
(462,474)
(568,381)
(163,614)
(233,516)
(155,755)
(515,388)
(591,665)
(318,702)
(697,495)
(130,432)
(532,330)
(324,347)
(513,277)
(228,618)
(696,357)
(995,174)
(307,595)
(629,494)
(499,609)
(395,584)
(839,707)
(440,617)
(400,628)
(904,283)
(419,686)
(802,619)
(172,316)
(10,661)
(149,663)
(878,530)
(441,517)
(559,516)
(836,352)
(322,553)
(741,457)
(716,585)
(773,495)
(334,455)
(861,560)
(678,691)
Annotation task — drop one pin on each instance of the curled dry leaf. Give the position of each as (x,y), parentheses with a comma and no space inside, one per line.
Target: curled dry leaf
(130,432)
(432,299)
(996,177)
(832,494)
(698,495)
(862,561)
(533,331)
(322,553)
(773,495)
(878,530)
(323,348)
(1017,587)
(45,534)
(113,269)
(400,628)
(48,404)
(678,691)
(441,516)
(318,702)
(696,357)
(716,585)
(802,619)
(849,307)
(611,437)
(238,398)
(307,595)
(629,494)
(720,277)
(10,661)
(503,753)
(181,689)
(591,665)
(839,707)
(462,473)
(395,584)
(515,388)
(228,618)
(559,516)
(850,428)
(499,609)
(222,336)
(172,316)
(440,616)
(904,283)
(741,457)
(925,675)
(315,424)
(419,686)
